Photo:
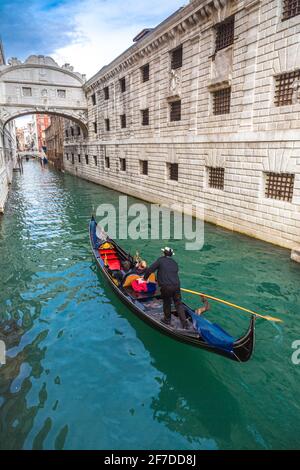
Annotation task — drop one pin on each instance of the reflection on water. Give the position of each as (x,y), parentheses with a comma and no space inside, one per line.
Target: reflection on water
(83,372)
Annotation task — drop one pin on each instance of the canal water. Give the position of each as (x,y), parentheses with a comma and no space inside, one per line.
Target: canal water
(83,373)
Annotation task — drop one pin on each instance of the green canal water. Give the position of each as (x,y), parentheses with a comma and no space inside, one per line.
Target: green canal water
(83,373)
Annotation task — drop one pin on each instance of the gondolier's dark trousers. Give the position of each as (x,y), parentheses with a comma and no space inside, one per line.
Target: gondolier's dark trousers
(169,293)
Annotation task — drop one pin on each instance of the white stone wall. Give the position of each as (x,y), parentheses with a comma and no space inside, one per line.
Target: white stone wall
(7,160)
(255,137)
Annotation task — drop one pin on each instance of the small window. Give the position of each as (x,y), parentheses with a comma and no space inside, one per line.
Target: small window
(107,162)
(176,58)
(26,91)
(66,132)
(95,127)
(175,111)
(225,33)
(279,186)
(61,93)
(284,89)
(122,164)
(67,155)
(216,177)
(123,121)
(72,131)
(93,99)
(144,167)
(145,117)
(78,130)
(145,73)
(290,8)
(122,84)
(73,158)
(221,101)
(106,93)
(87,159)
(95,160)
(172,171)
(107,125)
(79,158)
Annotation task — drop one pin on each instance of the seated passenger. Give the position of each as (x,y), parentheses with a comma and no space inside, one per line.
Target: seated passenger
(141,267)
(119,274)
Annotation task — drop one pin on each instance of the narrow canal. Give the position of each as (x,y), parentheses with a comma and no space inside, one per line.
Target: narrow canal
(83,373)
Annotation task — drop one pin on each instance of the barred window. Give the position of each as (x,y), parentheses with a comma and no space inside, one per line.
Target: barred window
(72,158)
(225,33)
(72,131)
(145,73)
(107,125)
(221,101)
(93,99)
(67,155)
(78,130)
(176,58)
(122,164)
(284,87)
(122,84)
(106,93)
(216,177)
(123,121)
(290,8)
(145,117)
(61,93)
(87,159)
(95,127)
(175,111)
(66,132)
(279,186)
(107,162)
(172,171)
(27,91)
(95,160)
(144,167)
(79,158)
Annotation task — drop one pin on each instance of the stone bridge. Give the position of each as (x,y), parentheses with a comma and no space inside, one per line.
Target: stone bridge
(40,85)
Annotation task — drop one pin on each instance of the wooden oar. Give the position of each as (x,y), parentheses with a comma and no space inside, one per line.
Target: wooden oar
(265,317)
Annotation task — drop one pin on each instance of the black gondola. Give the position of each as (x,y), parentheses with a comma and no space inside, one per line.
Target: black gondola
(148,306)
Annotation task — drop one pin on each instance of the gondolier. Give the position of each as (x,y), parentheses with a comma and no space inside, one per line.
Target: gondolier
(168,280)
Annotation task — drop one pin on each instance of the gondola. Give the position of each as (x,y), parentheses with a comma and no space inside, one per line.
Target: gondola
(148,306)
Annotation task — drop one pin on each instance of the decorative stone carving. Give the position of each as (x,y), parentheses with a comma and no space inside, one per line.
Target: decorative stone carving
(175,82)
(280,161)
(14,61)
(44,93)
(221,68)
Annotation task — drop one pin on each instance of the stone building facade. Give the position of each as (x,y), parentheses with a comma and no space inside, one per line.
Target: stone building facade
(54,139)
(205,107)
(7,150)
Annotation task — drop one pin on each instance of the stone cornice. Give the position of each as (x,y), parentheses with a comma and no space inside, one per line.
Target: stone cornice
(197,11)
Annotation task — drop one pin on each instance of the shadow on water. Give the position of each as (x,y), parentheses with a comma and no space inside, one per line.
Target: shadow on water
(183,403)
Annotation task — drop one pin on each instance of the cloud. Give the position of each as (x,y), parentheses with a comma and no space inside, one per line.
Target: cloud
(104,29)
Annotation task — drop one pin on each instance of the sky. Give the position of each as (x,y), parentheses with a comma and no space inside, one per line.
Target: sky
(87,34)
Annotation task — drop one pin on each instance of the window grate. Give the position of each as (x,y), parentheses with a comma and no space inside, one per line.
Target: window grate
(95,127)
(87,159)
(26,91)
(95,160)
(221,101)
(290,8)
(176,58)
(284,87)
(145,117)
(279,186)
(123,121)
(107,125)
(106,93)
(225,34)
(216,177)
(93,99)
(173,171)
(79,158)
(122,84)
(145,73)
(107,162)
(61,93)
(122,164)
(144,167)
(175,111)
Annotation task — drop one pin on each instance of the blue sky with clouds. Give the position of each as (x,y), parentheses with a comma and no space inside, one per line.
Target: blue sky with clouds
(85,33)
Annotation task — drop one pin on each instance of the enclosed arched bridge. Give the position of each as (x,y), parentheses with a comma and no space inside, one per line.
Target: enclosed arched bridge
(40,85)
